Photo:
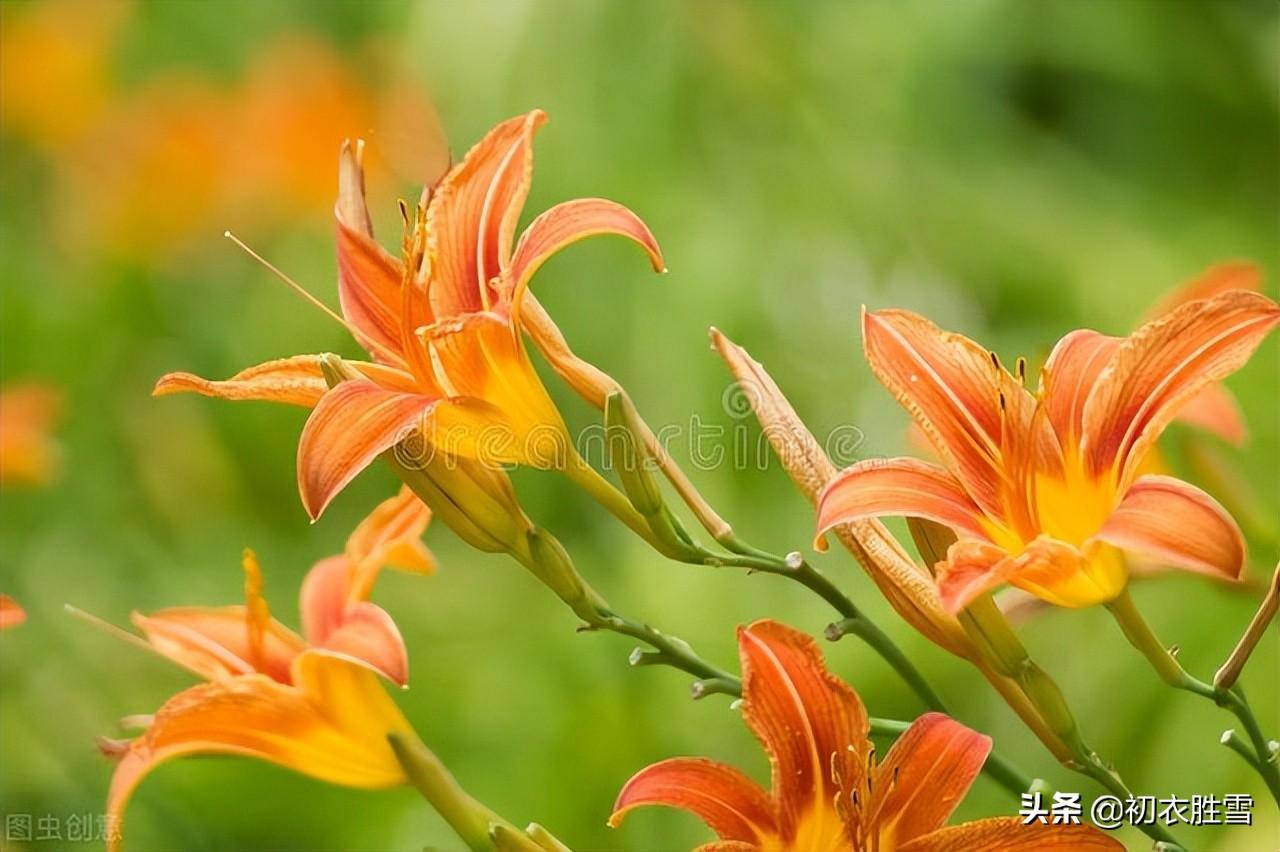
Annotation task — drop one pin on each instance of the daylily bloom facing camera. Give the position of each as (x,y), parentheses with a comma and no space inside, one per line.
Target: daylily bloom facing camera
(1044,490)
(829,792)
(313,702)
(442,324)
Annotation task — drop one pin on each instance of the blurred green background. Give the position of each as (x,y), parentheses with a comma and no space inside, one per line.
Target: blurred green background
(1013,169)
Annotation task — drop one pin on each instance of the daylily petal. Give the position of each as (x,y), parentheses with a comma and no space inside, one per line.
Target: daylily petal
(471,217)
(1162,366)
(296,381)
(324,598)
(971,568)
(1068,377)
(926,773)
(953,388)
(1215,410)
(367,632)
(1064,575)
(1009,834)
(1176,522)
(812,725)
(392,535)
(214,641)
(901,487)
(369,278)
(351,426)
(332,725)
(565,224)
(730,803)
(11,613)
(504,414)
(335,617)
(1214,281)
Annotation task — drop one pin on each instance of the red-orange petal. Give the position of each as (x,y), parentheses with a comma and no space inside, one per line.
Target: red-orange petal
(332,725)
(567,223)
(1214,281)
(901,487)
(730,803)
(296,380)
(471,217)
(392,535)
(953,388)
(812,724)
(369,278)
(215,641)
(367,632)
(925,774)
(11,613)
(1068,377)
(1178,523)
(1161,367)
(971,568)
(351,426)
(1215,410)
(1009,834)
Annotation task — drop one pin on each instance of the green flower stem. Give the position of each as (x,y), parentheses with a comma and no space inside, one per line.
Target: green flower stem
(758,560)
(1232,740)
(992,633)
(1142,637)
(470,820)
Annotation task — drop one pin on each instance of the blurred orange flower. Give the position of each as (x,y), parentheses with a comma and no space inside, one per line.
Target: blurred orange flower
(1045,491)
(442,326)
(55,79)
(28,455)
(310,702)
(11,614)
(828,790)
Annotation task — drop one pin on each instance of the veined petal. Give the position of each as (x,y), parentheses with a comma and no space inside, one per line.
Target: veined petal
(1068,378)
(392,535)
(1214,281)
(325,596)
(901,487)
(368,633)
(1162,366)
(351,425)
(1064,575)
(472,216)
(730,803)
(215,642)
(953,389)
(1178,523)
(1215,410)
(500,412)
(369,278)
(812,724)
(925,774)
(565,224)
(972,567)
(1009,834)
(296,380)
(11,613)
(332,725)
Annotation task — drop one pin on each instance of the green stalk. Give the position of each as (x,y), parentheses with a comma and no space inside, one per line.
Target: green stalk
(1142,637)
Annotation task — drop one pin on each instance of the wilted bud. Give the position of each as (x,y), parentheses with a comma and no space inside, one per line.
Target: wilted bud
(903,582)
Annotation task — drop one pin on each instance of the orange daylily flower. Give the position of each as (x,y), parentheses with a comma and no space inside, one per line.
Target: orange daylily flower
(1045,491)
(309,702)
(11,613)
(829,792)
(442,325)
(28,456)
